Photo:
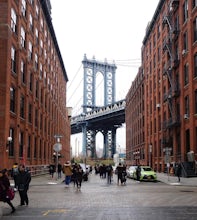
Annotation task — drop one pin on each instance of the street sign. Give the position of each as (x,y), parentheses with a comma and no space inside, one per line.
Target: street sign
(57,147)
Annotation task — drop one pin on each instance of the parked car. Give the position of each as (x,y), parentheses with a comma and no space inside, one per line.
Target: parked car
(130,171)
(147,174)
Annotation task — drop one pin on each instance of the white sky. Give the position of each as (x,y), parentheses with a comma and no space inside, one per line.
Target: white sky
(111,29)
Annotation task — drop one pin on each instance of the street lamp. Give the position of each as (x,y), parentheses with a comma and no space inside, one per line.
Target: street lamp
(150,154)
(57,147)
(167,151)
(9,140)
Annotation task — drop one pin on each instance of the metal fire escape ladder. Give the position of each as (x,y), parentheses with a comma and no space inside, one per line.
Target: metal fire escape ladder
(168,69)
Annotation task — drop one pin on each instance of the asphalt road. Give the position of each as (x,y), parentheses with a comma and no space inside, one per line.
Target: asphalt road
(99,201)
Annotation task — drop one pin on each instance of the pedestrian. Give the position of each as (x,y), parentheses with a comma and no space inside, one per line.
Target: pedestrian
(109,173)
(178,170)
(138,173)
(23,180)
(119,170)
(67,170)
(59,170)
(4,187)
(124,174)
(51,170)
(74,173)
(79,176)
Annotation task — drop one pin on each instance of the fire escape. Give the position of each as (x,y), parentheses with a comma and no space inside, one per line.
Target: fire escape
(172,90)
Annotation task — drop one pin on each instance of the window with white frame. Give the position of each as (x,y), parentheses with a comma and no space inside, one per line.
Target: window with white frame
(23,71)
(185,11)
(13,59)
(23,7)
(13,20)
(41,46)
(37,11)
(30,22)
(36,62)
(41,71)
(41,23)
(22,37)
(36,33)
(30,51)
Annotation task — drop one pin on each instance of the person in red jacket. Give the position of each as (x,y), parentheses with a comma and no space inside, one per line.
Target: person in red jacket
(4,186)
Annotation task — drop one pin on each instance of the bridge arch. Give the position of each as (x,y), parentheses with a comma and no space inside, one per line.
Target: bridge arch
(91,69)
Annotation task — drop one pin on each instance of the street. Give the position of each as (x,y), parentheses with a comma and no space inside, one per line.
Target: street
(49,199)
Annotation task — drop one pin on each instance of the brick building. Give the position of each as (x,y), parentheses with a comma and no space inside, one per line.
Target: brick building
(33,83)
(134,117)
(169,63)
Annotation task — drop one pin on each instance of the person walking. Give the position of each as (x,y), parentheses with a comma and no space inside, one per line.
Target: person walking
(119,170)
(178,170)
(52,170)
(79,176)
(4,187)
(109,173)
(138,173)
(67,170)
(59,170)
(23,180)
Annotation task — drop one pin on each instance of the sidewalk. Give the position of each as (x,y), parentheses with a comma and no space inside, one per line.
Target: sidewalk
(173,180)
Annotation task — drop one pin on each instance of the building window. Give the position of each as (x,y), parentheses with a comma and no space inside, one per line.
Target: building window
(187,140)
(22,37)
(12,99)
(36,62)
(23,75)
(30,51)
(23,8)
(30,113)
(185,11)
(31,82)
(30,22)
(186,74)
(31,2)
(195,29)
(21,142)
(37,11)
(187,105)
(35,147)
(13,59)
(36,33)
(194,3)
(37,89)
(185,41)
(13,20)
(29,147)
(41,72)
(36,117)
(11,144)
(22,106)
(195,65)
(195,101)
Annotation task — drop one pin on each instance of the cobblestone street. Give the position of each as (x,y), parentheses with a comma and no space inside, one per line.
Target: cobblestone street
(50,199)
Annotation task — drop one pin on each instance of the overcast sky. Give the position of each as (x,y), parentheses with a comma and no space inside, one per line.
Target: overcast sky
(106,29)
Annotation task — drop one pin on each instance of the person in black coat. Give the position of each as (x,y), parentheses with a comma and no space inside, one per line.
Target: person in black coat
(22,182)
(4,186)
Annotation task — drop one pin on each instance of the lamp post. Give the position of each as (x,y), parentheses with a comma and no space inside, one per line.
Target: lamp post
(167,151)
(57,147)
(9,140)
(150,154)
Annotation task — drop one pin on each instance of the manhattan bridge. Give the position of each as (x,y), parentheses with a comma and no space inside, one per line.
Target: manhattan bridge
(93,119)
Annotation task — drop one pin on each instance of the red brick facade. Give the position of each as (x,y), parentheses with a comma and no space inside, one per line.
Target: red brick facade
(169,63)
(33,84)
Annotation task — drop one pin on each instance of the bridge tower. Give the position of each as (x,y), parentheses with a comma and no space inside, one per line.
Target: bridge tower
(91,68)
